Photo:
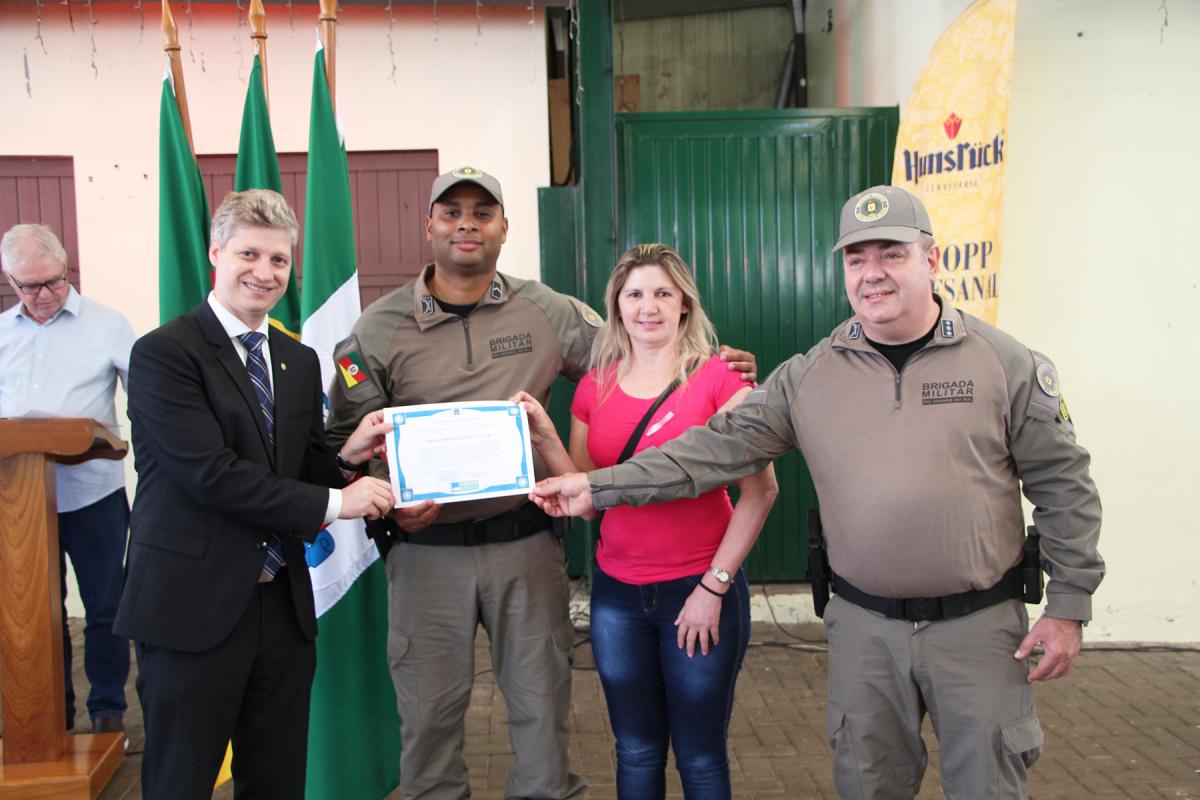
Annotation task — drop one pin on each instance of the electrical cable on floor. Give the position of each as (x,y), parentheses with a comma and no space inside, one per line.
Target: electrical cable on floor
(1140,648)
(775,621)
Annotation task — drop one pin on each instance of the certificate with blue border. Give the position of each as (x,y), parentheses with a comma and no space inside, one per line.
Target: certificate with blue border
(450,452)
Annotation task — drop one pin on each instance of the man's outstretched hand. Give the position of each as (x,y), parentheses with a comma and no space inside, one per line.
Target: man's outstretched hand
(565,496)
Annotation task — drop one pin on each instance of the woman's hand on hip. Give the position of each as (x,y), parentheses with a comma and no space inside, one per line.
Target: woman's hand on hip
(699,622)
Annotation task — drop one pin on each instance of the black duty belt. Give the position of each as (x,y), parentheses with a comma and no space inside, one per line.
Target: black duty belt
(929,609)
(510,526)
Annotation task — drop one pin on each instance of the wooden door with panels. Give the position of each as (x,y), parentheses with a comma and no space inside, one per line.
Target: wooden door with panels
(39,190)
(389,191)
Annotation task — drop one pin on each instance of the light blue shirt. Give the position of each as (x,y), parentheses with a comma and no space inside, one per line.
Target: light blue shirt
(68,367)
(234,328)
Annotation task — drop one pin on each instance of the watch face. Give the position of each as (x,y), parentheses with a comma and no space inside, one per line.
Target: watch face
(720,574)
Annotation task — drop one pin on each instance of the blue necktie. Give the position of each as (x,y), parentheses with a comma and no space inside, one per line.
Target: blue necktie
(257,367)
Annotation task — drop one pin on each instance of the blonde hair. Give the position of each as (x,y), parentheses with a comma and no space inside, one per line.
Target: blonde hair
(254,208)
(696,340)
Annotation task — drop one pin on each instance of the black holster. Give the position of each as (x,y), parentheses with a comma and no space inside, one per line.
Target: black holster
(379,531)
(818,563)
(1031,567)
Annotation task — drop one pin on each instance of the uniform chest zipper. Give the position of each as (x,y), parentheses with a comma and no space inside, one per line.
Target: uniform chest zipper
(897,372)
(467,333)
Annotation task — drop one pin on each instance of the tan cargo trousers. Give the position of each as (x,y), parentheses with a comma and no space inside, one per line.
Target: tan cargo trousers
(438,596)
(885,674)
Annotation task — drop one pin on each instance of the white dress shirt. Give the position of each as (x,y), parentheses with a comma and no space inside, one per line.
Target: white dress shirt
(234,327)
(68,367)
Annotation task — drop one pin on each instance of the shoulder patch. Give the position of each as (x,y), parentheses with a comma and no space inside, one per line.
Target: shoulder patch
(351,368)
(1047,378)
(356,381)
(1047,397)
(589,314)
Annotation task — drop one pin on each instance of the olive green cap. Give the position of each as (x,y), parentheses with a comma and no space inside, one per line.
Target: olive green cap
(447,181)
(883,212)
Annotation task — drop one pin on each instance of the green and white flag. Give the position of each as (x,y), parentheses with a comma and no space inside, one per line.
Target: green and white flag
(354,729)
(258,168)
(184,274)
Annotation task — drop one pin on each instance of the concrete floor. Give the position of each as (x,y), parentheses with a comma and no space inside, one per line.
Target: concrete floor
(1125,724)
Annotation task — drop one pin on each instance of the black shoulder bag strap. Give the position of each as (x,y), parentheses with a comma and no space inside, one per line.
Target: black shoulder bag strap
(636,436)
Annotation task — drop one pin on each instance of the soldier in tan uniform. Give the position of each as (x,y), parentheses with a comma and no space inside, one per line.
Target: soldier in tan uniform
(921,426)
(463,331)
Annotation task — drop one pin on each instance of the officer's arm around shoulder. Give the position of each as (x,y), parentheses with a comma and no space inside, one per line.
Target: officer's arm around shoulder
(1054,474)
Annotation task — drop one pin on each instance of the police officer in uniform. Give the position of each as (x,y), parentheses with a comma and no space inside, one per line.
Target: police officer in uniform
(921,426)
(463,331)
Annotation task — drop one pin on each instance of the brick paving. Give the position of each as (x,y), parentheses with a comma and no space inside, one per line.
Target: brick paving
(1124,724)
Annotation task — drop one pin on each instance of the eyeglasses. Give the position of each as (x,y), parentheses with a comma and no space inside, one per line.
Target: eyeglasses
(32,289)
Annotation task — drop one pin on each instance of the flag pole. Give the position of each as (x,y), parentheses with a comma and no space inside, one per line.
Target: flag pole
(171,32)
(328,26)
(258,34)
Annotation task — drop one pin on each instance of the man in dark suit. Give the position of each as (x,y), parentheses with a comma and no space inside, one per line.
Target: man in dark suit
(233,473)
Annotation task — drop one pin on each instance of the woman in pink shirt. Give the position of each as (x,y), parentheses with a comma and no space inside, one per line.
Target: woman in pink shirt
(670,616)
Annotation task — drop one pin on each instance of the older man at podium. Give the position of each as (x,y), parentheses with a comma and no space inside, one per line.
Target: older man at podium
(61,355)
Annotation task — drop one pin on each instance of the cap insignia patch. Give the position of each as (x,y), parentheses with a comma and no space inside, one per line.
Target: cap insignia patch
(871,207)
(1047,379)
(466,172)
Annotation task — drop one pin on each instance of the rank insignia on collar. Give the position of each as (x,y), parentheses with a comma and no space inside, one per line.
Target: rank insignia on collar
(947,329)
(855,331)
(497,291)
(1047,379)
(427,305)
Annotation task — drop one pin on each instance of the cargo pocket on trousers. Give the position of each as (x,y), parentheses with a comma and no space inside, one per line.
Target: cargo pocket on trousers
(835,726)
(1023,738)
(845,762)
(564,642)
(398,647)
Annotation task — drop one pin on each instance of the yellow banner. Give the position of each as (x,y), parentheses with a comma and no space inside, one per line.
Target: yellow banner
(950,150)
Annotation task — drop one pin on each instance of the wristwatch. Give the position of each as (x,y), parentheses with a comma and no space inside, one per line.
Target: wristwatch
(722,575)
(346,466)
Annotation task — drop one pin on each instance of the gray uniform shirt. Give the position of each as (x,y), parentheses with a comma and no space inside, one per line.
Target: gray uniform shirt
(918,473)
(520,337)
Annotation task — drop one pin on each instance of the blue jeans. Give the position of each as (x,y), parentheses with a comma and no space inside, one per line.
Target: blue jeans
(94,537)
(656,694)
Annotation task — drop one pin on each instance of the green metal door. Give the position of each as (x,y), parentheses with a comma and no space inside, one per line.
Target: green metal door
(750,199)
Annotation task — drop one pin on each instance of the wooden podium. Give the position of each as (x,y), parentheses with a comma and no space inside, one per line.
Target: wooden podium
(38,759)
